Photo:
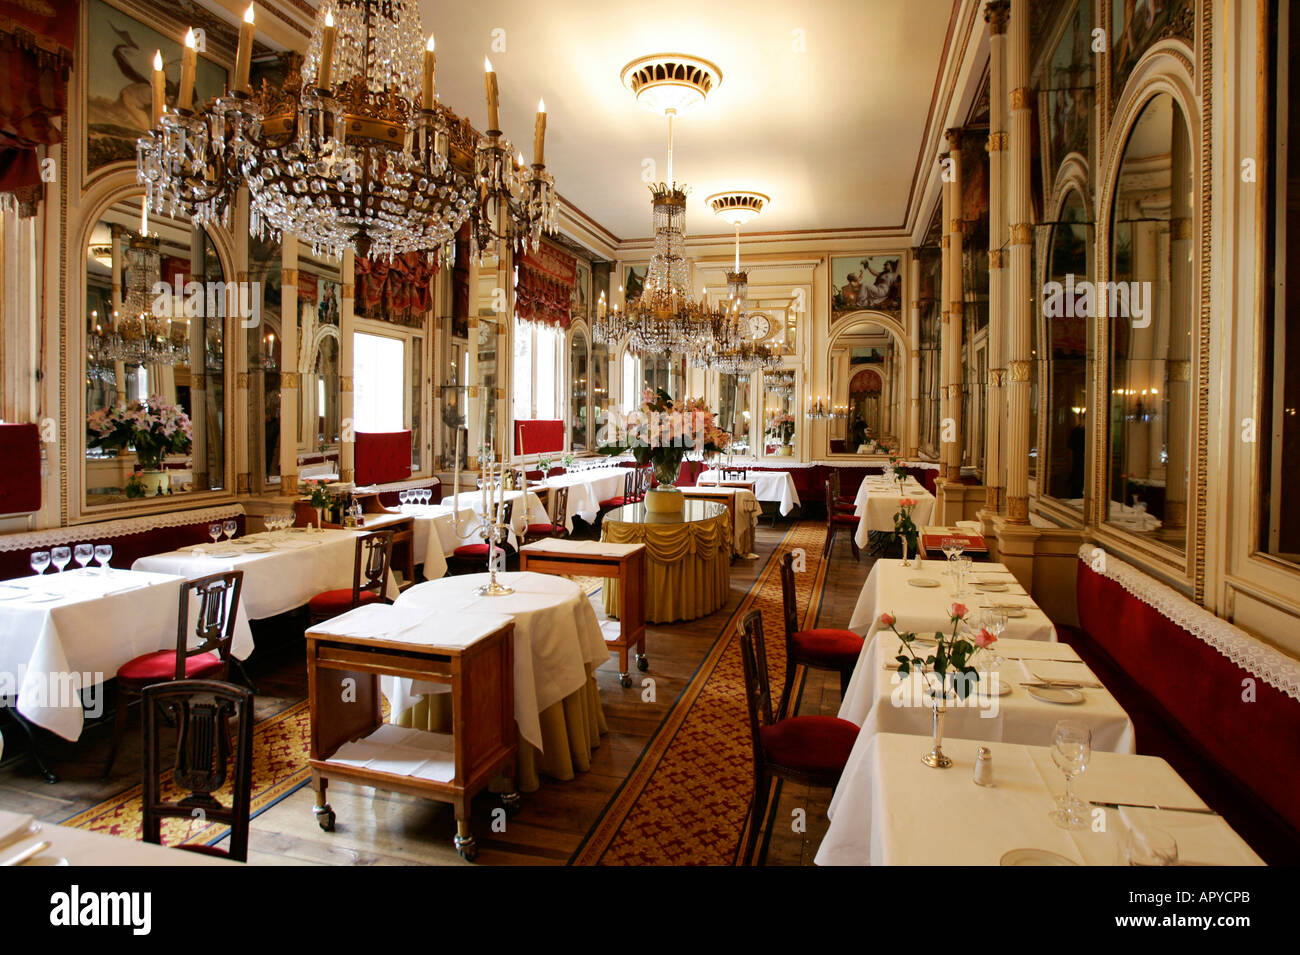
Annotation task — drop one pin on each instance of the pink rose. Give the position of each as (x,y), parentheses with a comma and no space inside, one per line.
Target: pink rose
(985,638)
(887,619)
(958,611)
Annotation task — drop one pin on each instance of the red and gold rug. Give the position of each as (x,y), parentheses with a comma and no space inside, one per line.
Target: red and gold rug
(687,800)
(280,747)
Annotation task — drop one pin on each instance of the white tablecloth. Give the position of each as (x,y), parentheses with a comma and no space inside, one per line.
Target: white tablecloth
(746,511)
(82,847)
(886,703)
(775,486)
(876,504)
(588,488)
(97,624)
(297,567)
(532,513)
(557,636)
(891,809)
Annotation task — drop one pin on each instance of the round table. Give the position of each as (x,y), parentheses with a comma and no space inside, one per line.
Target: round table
(557,647)
(688,558)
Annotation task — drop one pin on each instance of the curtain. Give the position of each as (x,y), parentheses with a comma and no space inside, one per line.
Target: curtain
(36,42)
(396,291)
(544,288)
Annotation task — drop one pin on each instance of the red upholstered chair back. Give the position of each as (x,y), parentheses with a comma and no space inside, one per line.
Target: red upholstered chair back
(20,478)
(1201,689)
(690,473)
(383,457)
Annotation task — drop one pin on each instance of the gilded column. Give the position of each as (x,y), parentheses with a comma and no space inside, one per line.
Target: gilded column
(1182,281)
(347,433)
(1020,280)
(118,308)
(956,297)
(996,13)
(945,342)
(289,395)
(914,365)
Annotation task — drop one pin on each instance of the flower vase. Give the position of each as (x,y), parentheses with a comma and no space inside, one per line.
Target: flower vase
(154,481)
(785,451)
(906,563)
(936,759)
(666,498)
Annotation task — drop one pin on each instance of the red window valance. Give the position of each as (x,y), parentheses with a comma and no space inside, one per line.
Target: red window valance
(36,42)
(396,291)
(544,291)
(865,380)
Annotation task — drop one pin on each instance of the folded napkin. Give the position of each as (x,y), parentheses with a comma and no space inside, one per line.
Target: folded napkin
(1048,671)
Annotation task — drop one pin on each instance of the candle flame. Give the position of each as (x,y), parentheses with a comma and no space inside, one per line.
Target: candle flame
(541,106)
(189,38)
(487,65)
(157,59)
(248,14)
(429,46)
(329,18)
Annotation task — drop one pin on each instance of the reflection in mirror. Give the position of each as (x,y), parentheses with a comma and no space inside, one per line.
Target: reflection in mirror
(579,392)
(778,412)
(265,264)
(320,297)
(155,358)
(866,399)
(734,412)
(485,308)
(1067,366)
(599,384)
(1150,324)
(930,325)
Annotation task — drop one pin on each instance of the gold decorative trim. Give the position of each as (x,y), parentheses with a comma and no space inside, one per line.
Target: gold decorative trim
(991,495)
(198,382)
(955,308)
(1022,233)
(1180,370)
(956,226)
(1017,510)
(347,475)
(998,142)
(349,290)
(471,391)
(288,381)
(1020,97)
(916,305)
(241,381)
(943,316)
(996,14)
(997,259)
(242,482)
(1180,228)
(943,241)
(288,277)
(500,393)
(998,377)
(1020,370)
(345,382)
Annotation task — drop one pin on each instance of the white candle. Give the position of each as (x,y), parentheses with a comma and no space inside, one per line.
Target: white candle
(326,51)
(244,53)
(430,63)
(189,58)
(159,88)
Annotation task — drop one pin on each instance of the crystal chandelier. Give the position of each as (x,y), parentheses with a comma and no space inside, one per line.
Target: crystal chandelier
(780,384)
(353,152)
(141,337)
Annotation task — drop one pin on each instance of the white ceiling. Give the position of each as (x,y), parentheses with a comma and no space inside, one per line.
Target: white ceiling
(831,134)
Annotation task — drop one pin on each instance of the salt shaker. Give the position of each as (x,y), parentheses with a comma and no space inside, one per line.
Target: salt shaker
(984,767)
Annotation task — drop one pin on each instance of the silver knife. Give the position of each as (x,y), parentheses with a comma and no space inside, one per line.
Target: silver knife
(1205,811)
(24,855)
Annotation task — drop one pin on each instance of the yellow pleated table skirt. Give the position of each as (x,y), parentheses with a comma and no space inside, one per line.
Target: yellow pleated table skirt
(688,566)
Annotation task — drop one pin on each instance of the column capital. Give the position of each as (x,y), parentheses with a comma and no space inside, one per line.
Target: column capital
(349,290)
(996,15)
(1020,370)
(997,377)
(997,259)
(953,135)
(345,382)
(1022,233)
(289,381)
(1020,97)
(288,277)
(1017,510)
(241,381)
(955,308)
(1180,228)
(997,142)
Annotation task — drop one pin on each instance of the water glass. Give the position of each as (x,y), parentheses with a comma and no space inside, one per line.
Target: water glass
(60,557)
(40,559)
(950,551)
(230,527)
(214,531)
(1071,751)
(103,554)
(1147,845)
(84,554)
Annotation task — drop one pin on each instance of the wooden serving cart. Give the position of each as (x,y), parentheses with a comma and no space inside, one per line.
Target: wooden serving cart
(343,672)
(583,558)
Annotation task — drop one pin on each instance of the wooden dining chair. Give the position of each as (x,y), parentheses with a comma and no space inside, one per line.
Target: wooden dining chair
(199,712)
(842,504)
(630,480)
(812,750)
(472,558)
(823,648)
(734,474)
(207,657)
(836,520)
(370,566)
(559,518)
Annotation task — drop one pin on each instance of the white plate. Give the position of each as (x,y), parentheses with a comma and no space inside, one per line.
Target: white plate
(223,554)
(991,588)
(923,581)
(1055,694)
(1033,857)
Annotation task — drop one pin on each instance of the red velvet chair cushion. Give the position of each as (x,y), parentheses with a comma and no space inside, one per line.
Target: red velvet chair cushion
(544,529)
(850,519)
(333,602)
(471,551)
(813,744)
(161,665)
(828,648)
(613,502)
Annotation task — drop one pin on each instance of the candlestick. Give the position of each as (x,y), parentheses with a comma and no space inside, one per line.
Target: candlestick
(244,55)
(159,88)
(539,135)
(455,481)
(430,60)
(493,96)
(189,58)
(326,51)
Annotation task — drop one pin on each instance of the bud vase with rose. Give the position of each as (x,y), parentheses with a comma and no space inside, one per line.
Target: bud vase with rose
(905,530)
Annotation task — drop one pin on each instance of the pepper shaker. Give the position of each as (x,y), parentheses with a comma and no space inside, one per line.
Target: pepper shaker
(984,767)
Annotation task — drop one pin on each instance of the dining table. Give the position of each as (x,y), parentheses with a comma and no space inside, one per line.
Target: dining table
(1024,688)
(63,635)
(890,808)
(533,511)
(587,488)
(283,570)
(73,847)
(775,487)
(879,498)
(558,644)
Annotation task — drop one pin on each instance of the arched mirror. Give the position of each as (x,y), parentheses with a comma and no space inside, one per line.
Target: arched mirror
(156,307)
(780,426)
(866,404)
(320,296)
(1066,326)
(734,413)
(1149,314)
(579,392)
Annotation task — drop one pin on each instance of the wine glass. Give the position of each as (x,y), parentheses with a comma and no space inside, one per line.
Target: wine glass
(1147,845)
(103,554)
(60,557)
(214,531)
(426,495)
(404,498)
(230,527)
(950,551)
(994,620)
(84,554)
(40,559)
(1071,750)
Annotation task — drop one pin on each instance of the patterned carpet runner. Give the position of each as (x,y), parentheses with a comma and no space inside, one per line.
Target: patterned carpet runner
(687,800)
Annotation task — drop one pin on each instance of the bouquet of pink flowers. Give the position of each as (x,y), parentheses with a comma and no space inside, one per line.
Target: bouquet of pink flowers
(951,659)
(781,427)
(153,428)
(662,431)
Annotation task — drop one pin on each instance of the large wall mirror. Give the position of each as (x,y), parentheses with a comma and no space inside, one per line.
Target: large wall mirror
(734,412)
(579,391)
(155,362)
(780,401)
(1062,463)
(486,344)
(867,400)
(1151,327)
(320,296)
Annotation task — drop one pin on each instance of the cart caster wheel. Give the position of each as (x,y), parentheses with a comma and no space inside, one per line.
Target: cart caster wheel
(511,803)
(325,817)
(643,663)
(466,847)
(625,680)
(50,777)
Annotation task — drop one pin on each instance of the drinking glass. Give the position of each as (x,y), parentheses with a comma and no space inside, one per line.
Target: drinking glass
(949,551)
(994,621)
(427,494)
(404,497)
(60,557)
(84,554)
(230,527)
(103,554)
(40,560)
(1147,845)
(1071,750)
(214,531)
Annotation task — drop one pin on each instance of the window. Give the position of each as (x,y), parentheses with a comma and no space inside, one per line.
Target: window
(379,377)
(536,371)
(631,382)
